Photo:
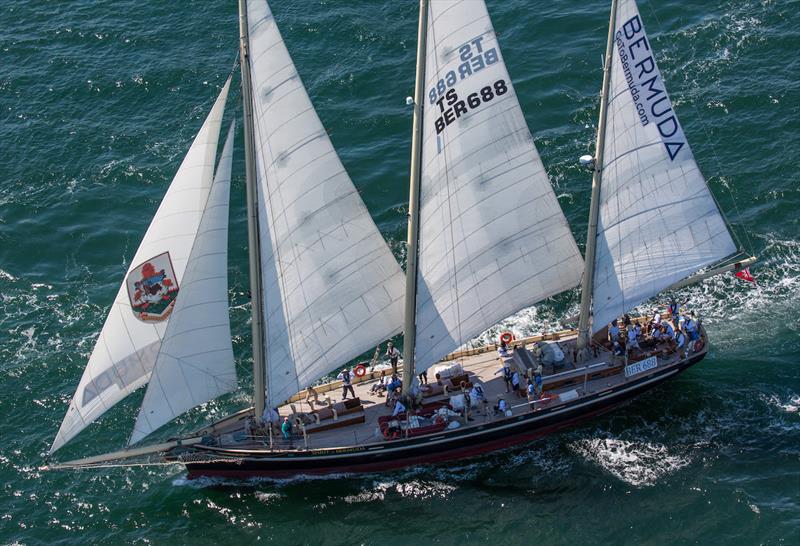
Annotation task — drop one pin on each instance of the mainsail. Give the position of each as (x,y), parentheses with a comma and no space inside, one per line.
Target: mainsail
(129,342)
(195,363)
(332,288)
(658,222)
(493,238)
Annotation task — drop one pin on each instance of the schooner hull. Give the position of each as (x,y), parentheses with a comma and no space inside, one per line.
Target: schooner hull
(439,448)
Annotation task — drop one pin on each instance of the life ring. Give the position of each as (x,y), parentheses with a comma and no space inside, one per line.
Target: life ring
(506,337)
(698,345)
(360,370)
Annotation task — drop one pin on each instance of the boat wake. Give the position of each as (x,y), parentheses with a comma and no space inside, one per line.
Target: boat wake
(638,463)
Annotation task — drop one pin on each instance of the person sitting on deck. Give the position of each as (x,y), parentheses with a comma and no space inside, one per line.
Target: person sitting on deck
(501,407)
(655,324)
(380,386)
(399,408)
(667,331)
(310,392)
(393,389)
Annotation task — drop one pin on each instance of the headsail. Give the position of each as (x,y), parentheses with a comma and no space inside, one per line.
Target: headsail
(195,363)
(332,288)
(493,238)
(658,221)
(129,342)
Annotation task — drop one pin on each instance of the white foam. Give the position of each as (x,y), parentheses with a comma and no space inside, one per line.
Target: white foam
(638,463)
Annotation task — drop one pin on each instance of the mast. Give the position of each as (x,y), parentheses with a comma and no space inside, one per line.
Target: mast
(409,330)
(259,370)
(584,334)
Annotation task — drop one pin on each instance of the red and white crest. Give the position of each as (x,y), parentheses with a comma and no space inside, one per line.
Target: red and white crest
(152,289)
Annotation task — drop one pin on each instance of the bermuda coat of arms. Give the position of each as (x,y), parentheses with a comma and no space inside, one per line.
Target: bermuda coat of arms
(152,289)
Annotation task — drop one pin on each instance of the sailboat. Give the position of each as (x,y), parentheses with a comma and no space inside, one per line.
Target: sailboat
(486,238)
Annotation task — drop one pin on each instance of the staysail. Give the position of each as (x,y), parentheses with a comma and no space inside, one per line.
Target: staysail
(195,363)
(658,222)
(332,288)
(129,342)
(493,238)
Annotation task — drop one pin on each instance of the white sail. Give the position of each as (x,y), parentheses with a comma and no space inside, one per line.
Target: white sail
(195,363)
(129,342)
(332,289)
(493,238)
(658,221)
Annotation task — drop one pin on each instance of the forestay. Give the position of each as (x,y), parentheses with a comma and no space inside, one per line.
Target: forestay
(658,221)
(195,363)
(332,288)
(129,342)
(493,238)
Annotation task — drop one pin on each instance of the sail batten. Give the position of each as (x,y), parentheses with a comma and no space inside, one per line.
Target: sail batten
(658,222)
(195,363)
(493,238)
(331,287)
(126,349)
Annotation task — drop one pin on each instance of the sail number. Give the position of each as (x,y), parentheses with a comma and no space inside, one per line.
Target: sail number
(451,107)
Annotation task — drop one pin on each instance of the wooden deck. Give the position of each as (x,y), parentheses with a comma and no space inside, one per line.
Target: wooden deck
(361,425)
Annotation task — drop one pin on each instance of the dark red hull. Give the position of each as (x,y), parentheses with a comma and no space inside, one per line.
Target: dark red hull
(451,446)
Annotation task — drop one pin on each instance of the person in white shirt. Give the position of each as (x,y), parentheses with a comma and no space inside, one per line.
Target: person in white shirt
(502,351)
(393,354)
(515,382)
(613,331)
(633,342)
(501,407)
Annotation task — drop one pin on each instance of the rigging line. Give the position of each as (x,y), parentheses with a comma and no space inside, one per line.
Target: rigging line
(704,128)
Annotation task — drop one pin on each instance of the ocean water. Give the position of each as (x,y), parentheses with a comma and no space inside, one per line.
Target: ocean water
(99,102)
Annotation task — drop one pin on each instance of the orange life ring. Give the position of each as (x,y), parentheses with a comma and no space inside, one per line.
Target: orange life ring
(506,337)
(360,370)
(698,345)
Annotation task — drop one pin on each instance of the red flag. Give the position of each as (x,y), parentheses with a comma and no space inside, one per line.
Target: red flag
(745,275)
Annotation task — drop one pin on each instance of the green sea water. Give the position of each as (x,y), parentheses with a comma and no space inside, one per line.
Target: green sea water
(98,104)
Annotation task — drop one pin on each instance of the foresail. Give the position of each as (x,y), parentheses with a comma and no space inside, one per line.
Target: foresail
(658,221)
(332,288)
(195,363)
(493,238)
(126,349)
